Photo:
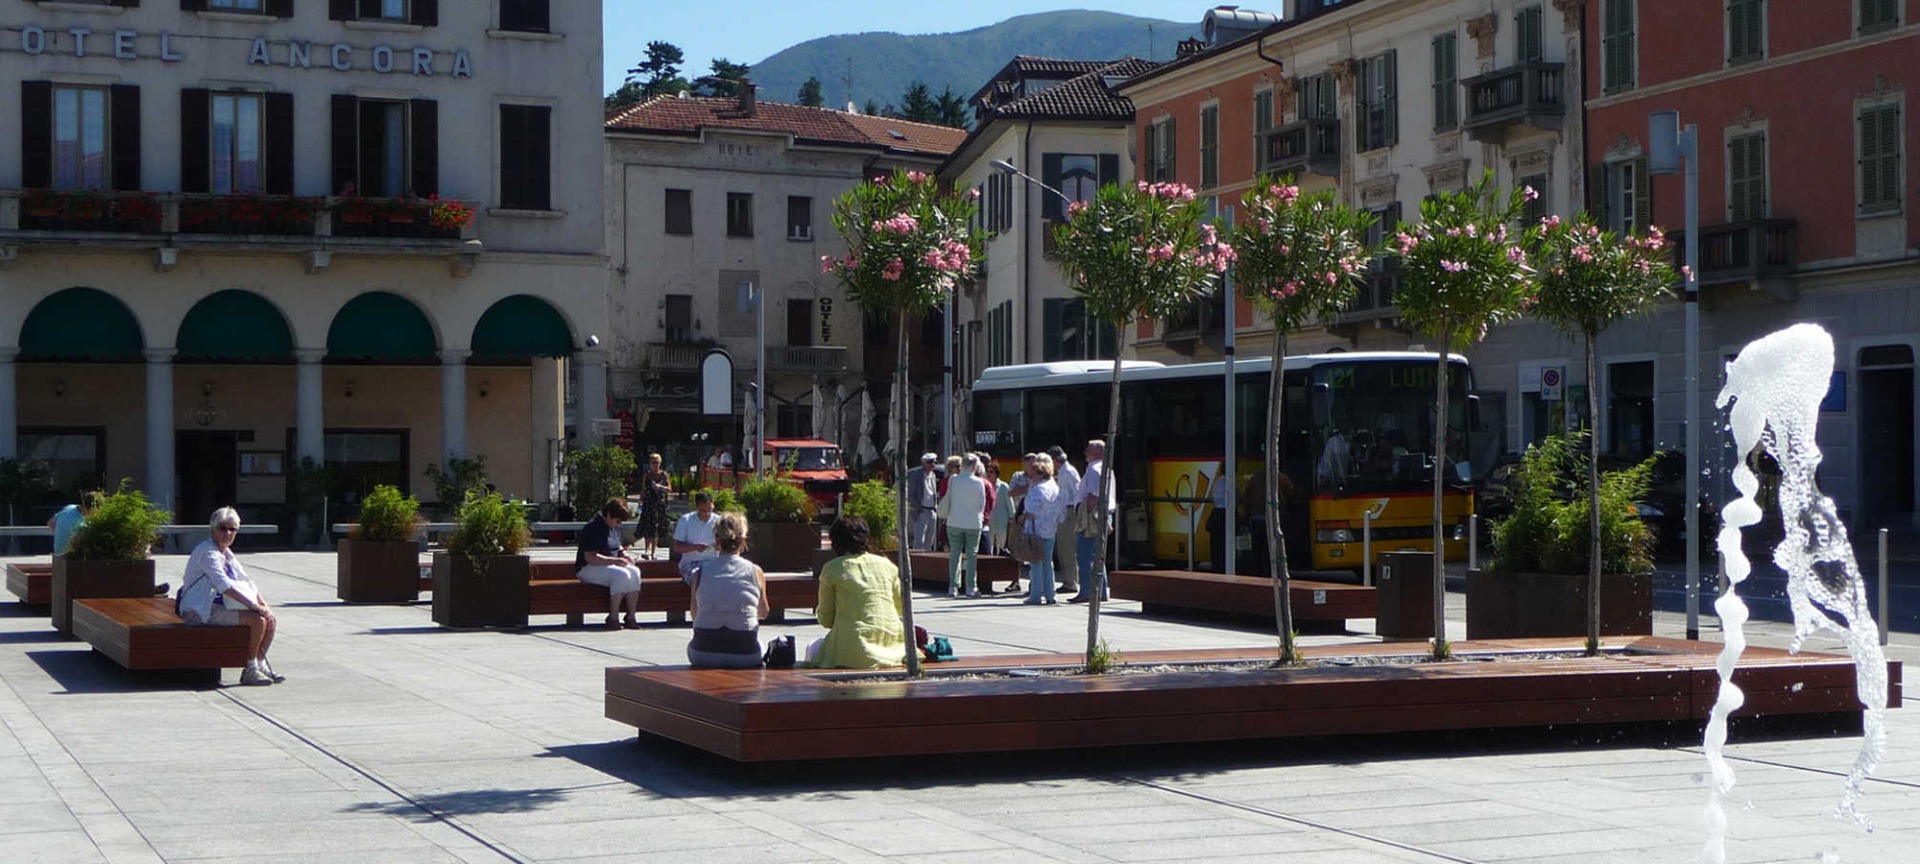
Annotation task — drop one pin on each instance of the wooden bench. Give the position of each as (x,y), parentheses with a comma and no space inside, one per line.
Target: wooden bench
(554,590)
(932,567)
(1244,595)
(142,633)
(31,581)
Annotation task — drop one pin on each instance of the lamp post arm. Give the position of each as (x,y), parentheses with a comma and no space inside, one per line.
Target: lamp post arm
(1008,168)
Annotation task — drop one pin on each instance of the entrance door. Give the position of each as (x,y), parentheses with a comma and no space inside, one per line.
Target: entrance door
(1886,435)
(207,464)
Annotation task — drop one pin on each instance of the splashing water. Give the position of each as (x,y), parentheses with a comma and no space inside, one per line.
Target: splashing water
(1774,388)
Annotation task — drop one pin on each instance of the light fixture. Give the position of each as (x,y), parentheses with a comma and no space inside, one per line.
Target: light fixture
(350,384)
(485,388)
(59,387)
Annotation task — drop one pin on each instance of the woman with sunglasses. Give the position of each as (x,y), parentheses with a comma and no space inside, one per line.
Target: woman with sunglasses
(218,592)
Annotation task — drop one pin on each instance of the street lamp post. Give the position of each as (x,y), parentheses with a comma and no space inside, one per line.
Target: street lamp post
(755,296)
(1668,144)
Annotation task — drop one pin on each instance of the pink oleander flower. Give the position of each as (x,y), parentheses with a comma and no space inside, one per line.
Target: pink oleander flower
(1208,234)
(1643,267)
(1452,266)
(1550,223)
(894,270)
(1527,303)
(1285,193)
(1285,249)
(1583,254)
(1516,255)
(1527,193)
(1405,243)
(826,263)
(1076,208)
(1471,230)
(973,194)
(918,176)
(1162,252)
(1686,273)
(1332,278)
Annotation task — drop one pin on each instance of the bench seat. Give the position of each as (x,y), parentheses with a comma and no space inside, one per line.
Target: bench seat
(932,567)
(1245,595)
(141,633)
(31,581)
(669,594)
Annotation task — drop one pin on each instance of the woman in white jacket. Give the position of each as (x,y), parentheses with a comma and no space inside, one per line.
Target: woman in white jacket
(218,591)
(964,508)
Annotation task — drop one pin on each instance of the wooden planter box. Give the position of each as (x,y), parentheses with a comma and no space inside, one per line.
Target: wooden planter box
(783,547)
(1523,605)
(493,595)
(73,580)
(378,571)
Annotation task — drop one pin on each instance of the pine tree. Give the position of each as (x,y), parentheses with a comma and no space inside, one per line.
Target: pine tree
(917,104)
(659,73)
(725,79)
(810,94)
(950,109)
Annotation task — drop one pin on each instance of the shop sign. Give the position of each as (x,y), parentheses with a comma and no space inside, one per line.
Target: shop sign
(339,56)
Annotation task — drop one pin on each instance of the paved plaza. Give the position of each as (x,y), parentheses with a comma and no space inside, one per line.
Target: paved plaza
(397,741)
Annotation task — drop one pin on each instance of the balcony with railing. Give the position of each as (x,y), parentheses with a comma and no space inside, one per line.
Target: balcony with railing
(1202,323)
(673,356)
(175,221)
(1305,147)
(1525,95)
(808,359)
(1374,301)
(1758,251)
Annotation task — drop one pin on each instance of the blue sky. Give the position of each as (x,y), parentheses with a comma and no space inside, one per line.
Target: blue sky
(749,31)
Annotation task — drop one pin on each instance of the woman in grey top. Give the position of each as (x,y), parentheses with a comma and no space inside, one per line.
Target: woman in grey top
(729,599)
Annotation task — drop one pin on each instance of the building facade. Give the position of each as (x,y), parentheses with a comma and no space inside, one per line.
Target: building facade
(708,196)
(236,234)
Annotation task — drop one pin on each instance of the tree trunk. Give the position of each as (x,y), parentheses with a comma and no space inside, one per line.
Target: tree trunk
(901,428)
(1593,505)
(1439,493)
(1101,518)
(1276,535)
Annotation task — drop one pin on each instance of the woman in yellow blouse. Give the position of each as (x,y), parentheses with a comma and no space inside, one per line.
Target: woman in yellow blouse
(860,605)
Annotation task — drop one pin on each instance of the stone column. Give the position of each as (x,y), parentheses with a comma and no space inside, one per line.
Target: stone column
(309,420)
(160,430)
(546,424)
(453,404)
(9,407)
(591,366)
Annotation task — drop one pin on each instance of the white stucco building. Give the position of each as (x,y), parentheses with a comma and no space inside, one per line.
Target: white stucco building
(227,241)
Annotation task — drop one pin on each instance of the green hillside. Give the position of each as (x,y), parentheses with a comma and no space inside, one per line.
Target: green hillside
(883,64)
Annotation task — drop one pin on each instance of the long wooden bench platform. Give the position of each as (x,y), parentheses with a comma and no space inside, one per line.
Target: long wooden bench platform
(142,633)
(932,567)
(31,581)
(758,715)
(1248,595)
(554,590)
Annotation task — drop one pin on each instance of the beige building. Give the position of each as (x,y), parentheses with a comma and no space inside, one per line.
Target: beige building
(710,195)
(235,234)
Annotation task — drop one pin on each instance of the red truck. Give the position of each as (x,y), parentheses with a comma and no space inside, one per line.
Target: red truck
(810,463)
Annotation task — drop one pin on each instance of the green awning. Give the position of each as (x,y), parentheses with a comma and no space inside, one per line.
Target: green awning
(80,324)
(234,325)
(518,328)
(383,327)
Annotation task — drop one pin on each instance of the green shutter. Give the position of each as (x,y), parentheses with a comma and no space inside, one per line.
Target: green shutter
(1446,104)
(1880,158)
(1390,131)
(1598,203)
(1747,164)
(1642,194)
(1527,38)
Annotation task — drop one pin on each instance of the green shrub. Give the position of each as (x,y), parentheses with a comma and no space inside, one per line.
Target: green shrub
(387,515)
(768,499)
(487,525)
(462,477)
(597,475)
(1549,532)
(122,528)
(724,501)
(874,501)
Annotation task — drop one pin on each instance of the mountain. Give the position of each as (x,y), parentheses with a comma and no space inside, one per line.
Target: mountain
(883,64)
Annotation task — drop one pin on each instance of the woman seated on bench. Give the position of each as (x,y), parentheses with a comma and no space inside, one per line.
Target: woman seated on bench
(218,592)
(859,605)
(729,599)
(602,560)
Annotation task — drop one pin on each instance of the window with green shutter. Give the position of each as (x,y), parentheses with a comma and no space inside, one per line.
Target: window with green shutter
(1316,98)
(1880,159)
(1746,31)
(1446,81)
(1878,15)
(1747,177)
(1528,44)
(1617,50)
(1209,146)
(1378,103)
(1262,120)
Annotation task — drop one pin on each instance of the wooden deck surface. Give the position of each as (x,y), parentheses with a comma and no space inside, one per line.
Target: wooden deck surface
(1247,595)
(144,633)
(31,581)
(765,715)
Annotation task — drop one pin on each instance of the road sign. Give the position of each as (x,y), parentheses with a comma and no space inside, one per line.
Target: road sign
(1553,381)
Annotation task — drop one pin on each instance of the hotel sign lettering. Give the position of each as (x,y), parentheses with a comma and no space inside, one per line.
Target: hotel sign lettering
(166,47)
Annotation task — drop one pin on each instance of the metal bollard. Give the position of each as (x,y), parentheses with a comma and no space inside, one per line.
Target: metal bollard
(1366,540)
(1473,541)
(1883,586)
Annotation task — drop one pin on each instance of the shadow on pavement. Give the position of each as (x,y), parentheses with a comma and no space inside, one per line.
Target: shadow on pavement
(81,671)
(31,637)
(476,802)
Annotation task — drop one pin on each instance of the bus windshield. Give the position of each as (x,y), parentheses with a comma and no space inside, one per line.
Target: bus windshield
(1372,427)
(807,458)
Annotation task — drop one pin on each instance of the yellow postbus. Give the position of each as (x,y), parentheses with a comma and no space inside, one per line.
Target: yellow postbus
(1358,437)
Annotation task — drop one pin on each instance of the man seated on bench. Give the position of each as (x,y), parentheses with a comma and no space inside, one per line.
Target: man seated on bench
(218,592)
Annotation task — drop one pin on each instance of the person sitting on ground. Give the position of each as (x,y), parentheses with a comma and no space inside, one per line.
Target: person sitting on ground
(729,599)
(69,520)
(859,604)
(219,593)
(602,560)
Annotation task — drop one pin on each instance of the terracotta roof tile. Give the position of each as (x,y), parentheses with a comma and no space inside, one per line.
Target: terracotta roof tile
(908,135)
(674,115)
(1086,96)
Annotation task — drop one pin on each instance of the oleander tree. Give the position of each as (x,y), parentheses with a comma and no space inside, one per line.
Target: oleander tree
(1302,257)
(1135,252)
(909,245)
(1464,269)
(1588,280)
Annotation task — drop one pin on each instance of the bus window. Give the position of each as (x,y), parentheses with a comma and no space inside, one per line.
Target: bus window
(1376,432)
(996,424)
(1049,414)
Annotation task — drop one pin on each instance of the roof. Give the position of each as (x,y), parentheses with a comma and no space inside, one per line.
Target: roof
(1308,11)
(1083,97)
(691,116)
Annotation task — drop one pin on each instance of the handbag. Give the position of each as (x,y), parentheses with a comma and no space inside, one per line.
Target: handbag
(780,653)
(1026,546)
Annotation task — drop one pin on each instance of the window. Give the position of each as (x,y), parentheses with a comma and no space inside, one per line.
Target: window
(739,214)
(1209,146)
(386,148)
(1377,103)
(1383,274)
(76,455)
(361,460)
(237,5)
(1746,31)
(1528,46)
(1630,409)
(1000,334)
(275,8)
(1316,98)
(679,318)
(1539,207)
(526,157)
(1880,159)
(1617,57)
(1623,196)
(237,128)
(799,322)
(1068,333)
(1446,81)
(1077,175)
(80,159)
(525,16)
(1159,149)
(422,12)
(390,10)
(799,217)
(680,212)
(1747,177)
(1262,121)
(1878,15)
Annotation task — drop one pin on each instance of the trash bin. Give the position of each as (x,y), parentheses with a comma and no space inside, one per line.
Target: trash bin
(1405,598)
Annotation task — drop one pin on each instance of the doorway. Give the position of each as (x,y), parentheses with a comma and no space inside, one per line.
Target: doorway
(1886,436)
(207,464)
